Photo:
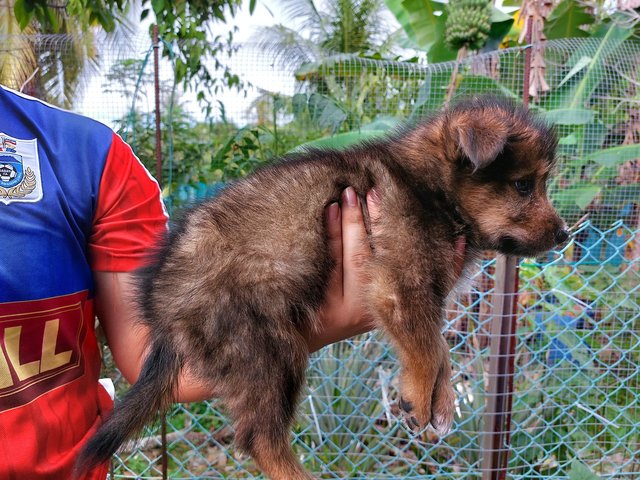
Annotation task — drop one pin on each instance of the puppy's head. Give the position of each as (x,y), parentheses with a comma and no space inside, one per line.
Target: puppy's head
(503,156)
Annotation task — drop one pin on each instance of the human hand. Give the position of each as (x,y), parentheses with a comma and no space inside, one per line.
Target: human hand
(343,313)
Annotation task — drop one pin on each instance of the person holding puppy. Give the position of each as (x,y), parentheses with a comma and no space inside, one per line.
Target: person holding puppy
(78,212)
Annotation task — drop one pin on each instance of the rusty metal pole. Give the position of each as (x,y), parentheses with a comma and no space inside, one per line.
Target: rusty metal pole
(503,345)
(500,374)
(527,63)
(156,81)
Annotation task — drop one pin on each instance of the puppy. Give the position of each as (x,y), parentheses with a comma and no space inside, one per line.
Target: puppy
(234,286)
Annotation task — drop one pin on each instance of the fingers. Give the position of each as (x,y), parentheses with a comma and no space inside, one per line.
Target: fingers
(333,222)
(355,242)
(347,237)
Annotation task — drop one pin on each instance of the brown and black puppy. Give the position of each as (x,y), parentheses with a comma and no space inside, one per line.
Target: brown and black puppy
(237,282)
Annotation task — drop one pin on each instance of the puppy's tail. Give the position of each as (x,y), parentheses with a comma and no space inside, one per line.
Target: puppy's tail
(154,391)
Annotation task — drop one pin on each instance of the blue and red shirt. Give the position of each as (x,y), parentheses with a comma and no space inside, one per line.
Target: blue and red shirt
(73,199)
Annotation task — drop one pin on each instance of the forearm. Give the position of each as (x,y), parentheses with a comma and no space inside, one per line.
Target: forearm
(127,337)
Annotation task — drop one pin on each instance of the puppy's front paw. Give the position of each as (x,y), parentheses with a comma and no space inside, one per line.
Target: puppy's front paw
(423,402)
(407,415)
(415,404)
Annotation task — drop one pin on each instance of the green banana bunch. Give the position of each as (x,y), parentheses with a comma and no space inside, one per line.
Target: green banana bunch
(468,24)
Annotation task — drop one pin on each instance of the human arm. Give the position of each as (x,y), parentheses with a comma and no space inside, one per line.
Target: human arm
(126,336)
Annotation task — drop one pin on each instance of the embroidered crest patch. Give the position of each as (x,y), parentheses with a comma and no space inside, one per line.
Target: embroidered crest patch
(19,170)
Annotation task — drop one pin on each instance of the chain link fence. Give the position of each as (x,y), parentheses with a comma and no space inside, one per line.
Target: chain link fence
(574,385)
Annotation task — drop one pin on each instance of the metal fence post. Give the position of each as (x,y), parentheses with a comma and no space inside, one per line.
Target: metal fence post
(500,389)
(503,342)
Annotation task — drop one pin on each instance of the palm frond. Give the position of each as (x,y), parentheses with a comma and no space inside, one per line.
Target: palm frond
(285,46)
(63,64)
(127,22)
(356,26)
(317,28)
(17,59)
(67,61)
(294,10)
(307,16)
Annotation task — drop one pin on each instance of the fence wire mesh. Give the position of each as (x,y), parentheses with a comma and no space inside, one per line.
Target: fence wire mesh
(576,383)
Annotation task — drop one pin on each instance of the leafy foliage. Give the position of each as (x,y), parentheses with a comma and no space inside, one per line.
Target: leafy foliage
(188,27)
(424,22)
(53,70)
(568,20)
(591,154)
(579,471)
(185,26)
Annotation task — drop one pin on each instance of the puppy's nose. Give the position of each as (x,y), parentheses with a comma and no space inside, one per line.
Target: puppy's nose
(562,234)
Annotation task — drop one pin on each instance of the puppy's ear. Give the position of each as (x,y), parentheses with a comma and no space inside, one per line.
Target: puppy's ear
(481,139)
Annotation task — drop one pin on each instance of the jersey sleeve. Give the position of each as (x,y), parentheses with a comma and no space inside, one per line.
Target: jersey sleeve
(130,215)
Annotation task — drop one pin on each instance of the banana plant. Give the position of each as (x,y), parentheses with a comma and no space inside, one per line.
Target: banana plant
(423,22)
(582,123)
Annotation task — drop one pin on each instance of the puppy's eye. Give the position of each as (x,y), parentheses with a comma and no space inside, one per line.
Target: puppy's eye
(524,186)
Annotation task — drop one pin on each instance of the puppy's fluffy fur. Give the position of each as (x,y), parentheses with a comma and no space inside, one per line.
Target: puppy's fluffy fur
(233,287)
